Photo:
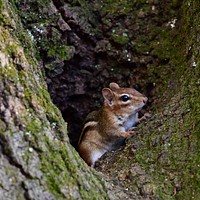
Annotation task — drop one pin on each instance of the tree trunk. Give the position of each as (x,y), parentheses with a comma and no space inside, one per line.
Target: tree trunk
(163,156)
(36,160)
(83,45)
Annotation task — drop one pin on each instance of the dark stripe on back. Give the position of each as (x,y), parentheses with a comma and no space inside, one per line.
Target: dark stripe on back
(84,130)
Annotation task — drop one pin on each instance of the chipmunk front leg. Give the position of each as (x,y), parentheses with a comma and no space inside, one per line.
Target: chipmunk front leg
(128,133)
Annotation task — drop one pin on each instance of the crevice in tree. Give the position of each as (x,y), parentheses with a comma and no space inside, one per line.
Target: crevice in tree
(26,195)
(8,154)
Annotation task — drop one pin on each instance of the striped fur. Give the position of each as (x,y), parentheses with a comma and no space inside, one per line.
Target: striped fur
(106,129)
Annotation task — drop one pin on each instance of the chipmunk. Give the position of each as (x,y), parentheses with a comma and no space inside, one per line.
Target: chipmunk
(106,129)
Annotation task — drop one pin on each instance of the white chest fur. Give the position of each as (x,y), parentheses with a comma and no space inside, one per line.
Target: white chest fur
(95,155)
(130,121)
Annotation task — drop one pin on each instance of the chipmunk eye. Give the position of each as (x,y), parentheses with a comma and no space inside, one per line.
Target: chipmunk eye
(125,98)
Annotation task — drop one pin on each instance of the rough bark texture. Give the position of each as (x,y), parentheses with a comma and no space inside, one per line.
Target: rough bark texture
(163,157)
(81,47)
(36,159)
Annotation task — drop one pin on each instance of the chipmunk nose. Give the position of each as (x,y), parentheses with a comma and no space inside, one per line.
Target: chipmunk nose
(145,100)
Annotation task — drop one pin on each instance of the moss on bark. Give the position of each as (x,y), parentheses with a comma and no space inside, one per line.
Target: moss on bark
(33,140)
(167,146)
(162,159)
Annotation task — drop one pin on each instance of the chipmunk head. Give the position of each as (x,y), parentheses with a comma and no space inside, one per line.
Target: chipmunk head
(123,100)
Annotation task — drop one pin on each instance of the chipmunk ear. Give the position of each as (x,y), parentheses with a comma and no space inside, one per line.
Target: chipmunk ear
(108,95)
(114,86)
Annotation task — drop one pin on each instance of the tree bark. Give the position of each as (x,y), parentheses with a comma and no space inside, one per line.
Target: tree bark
(162,157)
(37,161)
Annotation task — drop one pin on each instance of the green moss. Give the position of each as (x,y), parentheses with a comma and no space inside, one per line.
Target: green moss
(169,153)
(2,126)
(120,39)
(115,8)
(34,125)
(172,150)
(62,52)
(40,123)
(1,9)
(55,164)
(54,167)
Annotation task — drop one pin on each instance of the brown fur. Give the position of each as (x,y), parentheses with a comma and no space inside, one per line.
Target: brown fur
(106,129)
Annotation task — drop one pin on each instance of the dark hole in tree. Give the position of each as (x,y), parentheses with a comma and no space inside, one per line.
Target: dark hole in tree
(80,93)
